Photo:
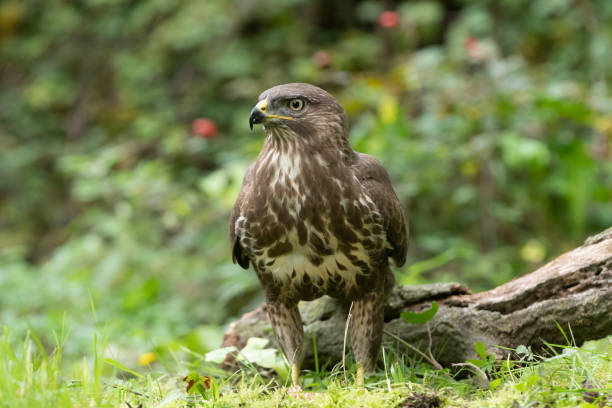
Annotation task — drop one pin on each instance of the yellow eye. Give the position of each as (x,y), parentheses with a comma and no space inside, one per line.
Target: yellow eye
(296,104)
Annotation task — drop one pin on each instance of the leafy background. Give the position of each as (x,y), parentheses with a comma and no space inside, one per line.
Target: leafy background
(493,118)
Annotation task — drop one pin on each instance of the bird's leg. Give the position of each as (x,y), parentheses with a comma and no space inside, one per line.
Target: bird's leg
(287,325)
(365,331)
(295,374)
(359,379)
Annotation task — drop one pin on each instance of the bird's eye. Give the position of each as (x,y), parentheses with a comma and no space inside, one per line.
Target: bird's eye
(296,104)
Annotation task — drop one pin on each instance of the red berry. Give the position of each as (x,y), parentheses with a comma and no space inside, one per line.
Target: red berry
(474,49)
(389,19)
(205,128)
(470,43)
(322,59)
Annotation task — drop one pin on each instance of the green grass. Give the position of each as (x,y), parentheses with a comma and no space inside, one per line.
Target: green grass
(31,376)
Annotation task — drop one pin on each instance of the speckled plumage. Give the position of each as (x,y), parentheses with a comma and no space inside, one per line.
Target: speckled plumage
(314,217)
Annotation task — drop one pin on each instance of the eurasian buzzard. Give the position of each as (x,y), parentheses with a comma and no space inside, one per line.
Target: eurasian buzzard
(315,217)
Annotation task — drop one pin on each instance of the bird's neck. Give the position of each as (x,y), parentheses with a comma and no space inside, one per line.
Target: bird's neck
(335,149)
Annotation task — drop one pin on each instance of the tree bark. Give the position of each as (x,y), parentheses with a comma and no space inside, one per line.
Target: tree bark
(574,292)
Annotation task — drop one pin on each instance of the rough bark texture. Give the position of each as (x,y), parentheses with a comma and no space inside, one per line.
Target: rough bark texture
(574,290)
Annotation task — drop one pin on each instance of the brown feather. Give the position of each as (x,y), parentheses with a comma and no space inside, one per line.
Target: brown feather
(238,256)
(314,217)
(375,180)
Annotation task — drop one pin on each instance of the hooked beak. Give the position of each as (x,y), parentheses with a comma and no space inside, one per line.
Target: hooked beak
(260,113)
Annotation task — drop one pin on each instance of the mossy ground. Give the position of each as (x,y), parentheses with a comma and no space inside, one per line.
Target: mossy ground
(567,376)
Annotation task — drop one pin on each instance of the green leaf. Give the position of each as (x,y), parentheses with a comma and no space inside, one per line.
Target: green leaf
(422,317)
(532,380)
(494,384)
(522,386)
(481,350)
(218,355)
(197,384)
(525,352)
(528,383)
(255,352)
(477,363)
(519,151)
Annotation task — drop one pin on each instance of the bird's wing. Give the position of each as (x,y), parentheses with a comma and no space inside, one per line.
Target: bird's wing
(238,254)
(375,180)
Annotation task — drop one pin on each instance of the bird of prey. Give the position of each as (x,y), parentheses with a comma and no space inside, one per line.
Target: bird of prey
(316,218)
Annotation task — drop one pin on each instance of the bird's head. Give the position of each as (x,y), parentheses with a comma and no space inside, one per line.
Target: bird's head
(299,110)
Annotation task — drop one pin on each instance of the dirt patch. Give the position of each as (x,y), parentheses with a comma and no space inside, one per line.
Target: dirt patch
(421,400)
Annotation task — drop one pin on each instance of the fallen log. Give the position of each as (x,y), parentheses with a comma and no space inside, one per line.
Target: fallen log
(574,292)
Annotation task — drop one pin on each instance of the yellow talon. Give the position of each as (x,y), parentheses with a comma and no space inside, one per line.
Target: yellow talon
(295,372)
(359,380)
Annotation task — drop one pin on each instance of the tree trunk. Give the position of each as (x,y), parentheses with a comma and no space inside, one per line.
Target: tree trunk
(573,291)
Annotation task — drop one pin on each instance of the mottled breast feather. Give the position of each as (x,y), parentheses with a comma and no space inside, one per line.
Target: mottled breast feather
(314,217)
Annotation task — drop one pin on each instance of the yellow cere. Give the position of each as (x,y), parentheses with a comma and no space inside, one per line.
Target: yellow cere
(263,106)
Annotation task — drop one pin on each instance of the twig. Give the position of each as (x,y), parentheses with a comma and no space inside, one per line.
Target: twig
(475,367)
(346,326)
(386,374)
(416,350)
(433,360)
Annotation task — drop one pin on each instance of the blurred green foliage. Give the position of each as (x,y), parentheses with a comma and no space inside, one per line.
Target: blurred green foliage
(494,119)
